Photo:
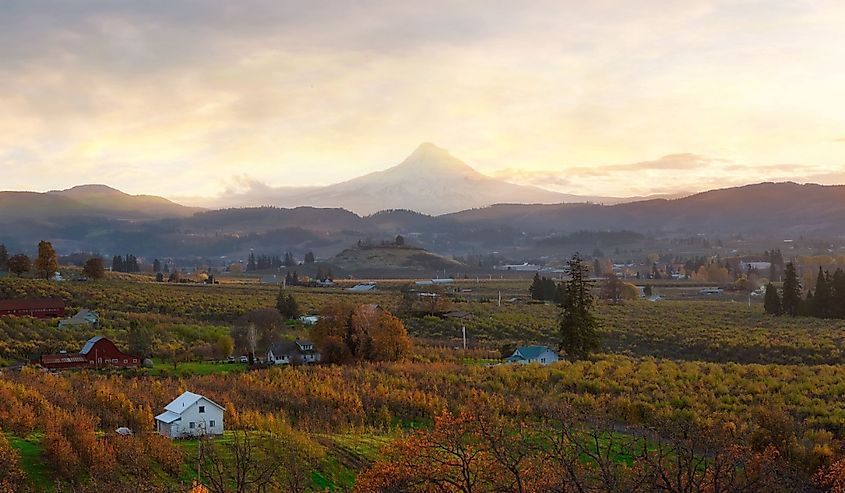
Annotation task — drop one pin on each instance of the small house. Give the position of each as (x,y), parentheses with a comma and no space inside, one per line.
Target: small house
(83,317)
(190,415)
(292,352)
(533,354)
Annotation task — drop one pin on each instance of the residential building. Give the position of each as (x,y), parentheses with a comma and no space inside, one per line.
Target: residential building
(292,352)
(190,415)
(534,354)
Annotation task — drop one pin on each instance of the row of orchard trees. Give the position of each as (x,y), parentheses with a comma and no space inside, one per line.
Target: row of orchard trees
(825,300)
(490,447)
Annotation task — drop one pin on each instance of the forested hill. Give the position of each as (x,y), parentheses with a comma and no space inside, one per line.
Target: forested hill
(148,226)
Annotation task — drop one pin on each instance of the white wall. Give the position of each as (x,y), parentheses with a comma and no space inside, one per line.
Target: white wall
(202,421)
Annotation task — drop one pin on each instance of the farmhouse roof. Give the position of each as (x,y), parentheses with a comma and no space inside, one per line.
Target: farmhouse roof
(530,352)
(168,417)
(281,348)
(186,400)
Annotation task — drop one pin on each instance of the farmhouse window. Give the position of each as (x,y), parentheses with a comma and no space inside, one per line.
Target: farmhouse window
(211,423)
(191,425)
(202,409)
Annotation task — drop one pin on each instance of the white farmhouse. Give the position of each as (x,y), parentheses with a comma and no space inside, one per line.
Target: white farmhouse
(190,415)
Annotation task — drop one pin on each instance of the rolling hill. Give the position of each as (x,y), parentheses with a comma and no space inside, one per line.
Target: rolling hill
(88,201)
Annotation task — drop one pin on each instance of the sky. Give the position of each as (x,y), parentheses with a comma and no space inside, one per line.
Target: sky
(190,99)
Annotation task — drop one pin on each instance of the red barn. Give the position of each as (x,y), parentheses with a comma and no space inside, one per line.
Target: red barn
(33,307)
(98,352)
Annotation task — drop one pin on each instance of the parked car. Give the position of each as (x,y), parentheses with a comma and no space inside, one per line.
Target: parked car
(230,359)
(244,359)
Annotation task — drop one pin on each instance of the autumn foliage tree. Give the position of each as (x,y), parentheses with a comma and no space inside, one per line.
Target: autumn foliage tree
(347,333)
(20,263)
(12,477)
(94,268)
(46,264)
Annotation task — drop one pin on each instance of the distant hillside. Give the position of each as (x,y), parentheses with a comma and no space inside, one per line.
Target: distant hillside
(87,201)
(392,258)
(79,220)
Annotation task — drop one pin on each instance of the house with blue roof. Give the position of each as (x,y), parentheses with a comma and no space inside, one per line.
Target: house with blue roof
(533,354)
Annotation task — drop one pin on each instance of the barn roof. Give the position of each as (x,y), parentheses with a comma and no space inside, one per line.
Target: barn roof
(31,303)
(67,358)
(90,344)
(186,400)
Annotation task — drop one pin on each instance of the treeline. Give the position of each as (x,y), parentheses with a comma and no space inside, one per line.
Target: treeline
(45,264)
(826,300)
(262,262)
(545,289)
(129,264)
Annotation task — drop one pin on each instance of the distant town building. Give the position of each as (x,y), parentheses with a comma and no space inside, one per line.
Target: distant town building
(190,415)
(533,354)
(98,352)
(33,307)
(762,267)
(362,288)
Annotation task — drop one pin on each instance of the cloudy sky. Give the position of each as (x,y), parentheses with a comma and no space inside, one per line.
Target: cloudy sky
(191,98)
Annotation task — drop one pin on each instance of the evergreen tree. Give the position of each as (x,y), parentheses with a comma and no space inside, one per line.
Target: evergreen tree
(117,263)
(837,294)
(309,258)
(771,302)
(399,241)
(289,260)
(250,265)
(140,340)
(46,264)
(287,306)
(156,265)
(4,258)
(822,296)
(534,290)
(791,291)
(578,326)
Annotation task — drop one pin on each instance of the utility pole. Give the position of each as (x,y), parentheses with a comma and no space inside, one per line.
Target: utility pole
(464,330)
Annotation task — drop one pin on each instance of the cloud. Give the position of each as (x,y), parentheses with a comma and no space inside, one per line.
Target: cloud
(173,97)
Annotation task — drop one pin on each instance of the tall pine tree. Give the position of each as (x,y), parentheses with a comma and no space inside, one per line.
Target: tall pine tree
(822,296)
(791,291)
(772,303)
(578,326)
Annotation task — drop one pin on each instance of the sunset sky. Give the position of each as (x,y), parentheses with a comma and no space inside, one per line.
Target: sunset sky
(194,98)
